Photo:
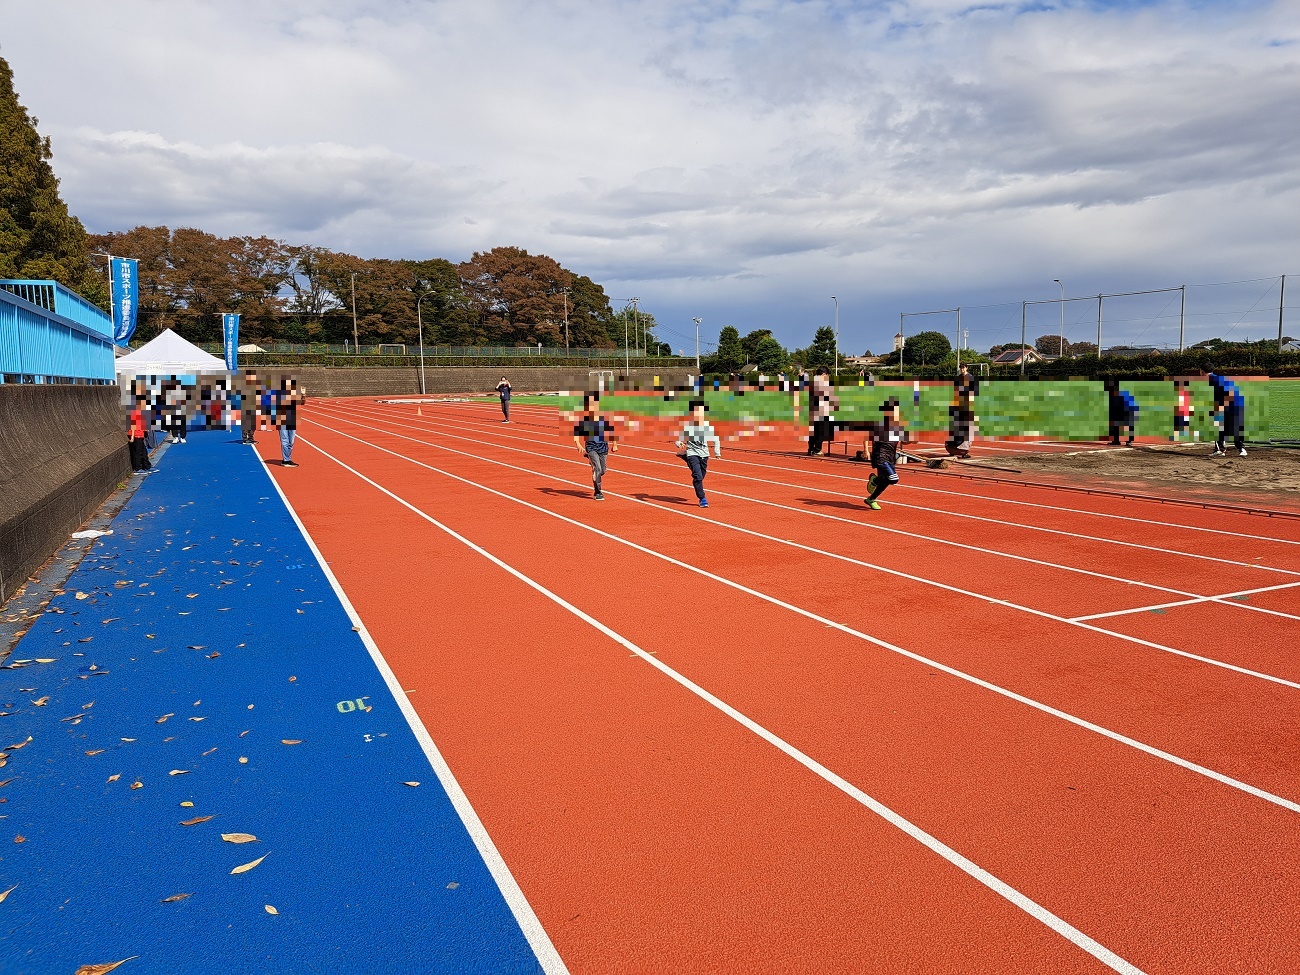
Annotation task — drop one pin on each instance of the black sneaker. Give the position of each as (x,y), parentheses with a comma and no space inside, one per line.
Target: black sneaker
(287,463)
(598,496)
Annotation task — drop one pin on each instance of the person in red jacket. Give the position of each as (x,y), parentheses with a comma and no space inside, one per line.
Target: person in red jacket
(136,432)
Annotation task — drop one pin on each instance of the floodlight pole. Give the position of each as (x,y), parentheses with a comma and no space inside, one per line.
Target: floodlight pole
(697,345)
(1061,349)
(837,334)
(1099,297)
(959,338)
(419,320)
(901,344)
(636,324)
(566,320)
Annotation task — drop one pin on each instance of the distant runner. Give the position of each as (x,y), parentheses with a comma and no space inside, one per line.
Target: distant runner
(503,390)
(886,436)
(591,435)
(696,437)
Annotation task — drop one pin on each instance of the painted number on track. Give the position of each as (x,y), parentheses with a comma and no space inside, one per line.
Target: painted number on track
(357,705)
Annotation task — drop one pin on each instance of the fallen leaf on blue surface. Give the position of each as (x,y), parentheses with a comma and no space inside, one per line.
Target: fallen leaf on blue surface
(103,969)
(245,867)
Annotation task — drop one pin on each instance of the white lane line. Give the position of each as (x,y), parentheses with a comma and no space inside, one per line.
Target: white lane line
(808,614)
(514,897)
(1221,598)
(932,843)
(867,525)
(995,521)
(1124,637)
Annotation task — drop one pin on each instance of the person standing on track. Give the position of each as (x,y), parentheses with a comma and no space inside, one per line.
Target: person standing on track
(591,436)
(1230,404)
(503,390)
(886,437)
(136,432)
(696,437)
(288,399)
(821,404)
(961,425)
(248,408)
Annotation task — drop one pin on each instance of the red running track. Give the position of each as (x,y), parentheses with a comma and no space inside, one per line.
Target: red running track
(755,739)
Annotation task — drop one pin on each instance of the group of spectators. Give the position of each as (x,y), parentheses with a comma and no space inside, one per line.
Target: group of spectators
(169,406)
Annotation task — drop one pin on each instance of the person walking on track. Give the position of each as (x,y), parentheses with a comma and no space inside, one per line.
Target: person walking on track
(695,437)
(822,402)
(591,436)
(961,415)
(886,436)
(1230,404)
(503,390)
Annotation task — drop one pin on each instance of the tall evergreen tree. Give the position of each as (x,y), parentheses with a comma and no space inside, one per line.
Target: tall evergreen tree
(731,354)
(38,237)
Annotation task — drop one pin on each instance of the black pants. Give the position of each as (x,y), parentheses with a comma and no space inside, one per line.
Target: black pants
(823,431)
(139,455)
(505,408)
(699,467)
(248,421)
(1238,438)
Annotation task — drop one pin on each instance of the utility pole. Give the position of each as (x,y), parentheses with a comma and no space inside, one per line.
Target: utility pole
(837,334)
(1281,307)
(636,325)
(1182,317)
(355,340)
(1060,351)
(566,320)
(697,345)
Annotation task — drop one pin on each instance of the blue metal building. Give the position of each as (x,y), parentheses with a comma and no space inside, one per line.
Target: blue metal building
(49,334)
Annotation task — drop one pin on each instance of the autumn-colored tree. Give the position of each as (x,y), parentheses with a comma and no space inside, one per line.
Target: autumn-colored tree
(590,317)
(38,237)
(151,247)
(445,311)
(517,296)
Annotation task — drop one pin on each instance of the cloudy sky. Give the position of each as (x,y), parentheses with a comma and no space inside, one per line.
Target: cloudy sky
(737,160)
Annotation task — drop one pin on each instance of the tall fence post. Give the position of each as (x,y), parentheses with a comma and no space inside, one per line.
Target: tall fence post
(1023,306)
(1182,317)
(1098,327)
(959,338)
(1281,307)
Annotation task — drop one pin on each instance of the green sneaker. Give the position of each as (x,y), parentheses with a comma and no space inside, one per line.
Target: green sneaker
(871,484)
(873,505)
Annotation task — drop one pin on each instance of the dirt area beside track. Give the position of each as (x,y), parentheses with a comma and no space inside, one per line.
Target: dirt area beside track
(1270,471)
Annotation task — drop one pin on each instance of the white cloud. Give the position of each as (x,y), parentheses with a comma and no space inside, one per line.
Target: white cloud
(740,159)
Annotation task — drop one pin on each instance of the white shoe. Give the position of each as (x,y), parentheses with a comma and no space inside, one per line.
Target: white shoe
(1218,453)
(1242,452)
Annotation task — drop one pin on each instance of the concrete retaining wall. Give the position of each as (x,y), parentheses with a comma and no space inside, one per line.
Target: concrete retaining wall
(328,382)
(62,452)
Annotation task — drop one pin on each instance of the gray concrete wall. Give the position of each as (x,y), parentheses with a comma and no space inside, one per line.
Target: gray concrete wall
(329,382)
(62,452)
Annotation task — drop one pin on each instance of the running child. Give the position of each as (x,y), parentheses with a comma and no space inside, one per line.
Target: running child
(591,436)
(886,436)
(696,436)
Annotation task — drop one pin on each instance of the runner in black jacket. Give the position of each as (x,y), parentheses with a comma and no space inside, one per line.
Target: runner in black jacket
(887,435)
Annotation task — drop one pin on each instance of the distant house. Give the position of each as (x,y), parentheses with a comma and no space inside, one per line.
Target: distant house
(1131,351)
(1292,346)
(861,361)
(1012,357)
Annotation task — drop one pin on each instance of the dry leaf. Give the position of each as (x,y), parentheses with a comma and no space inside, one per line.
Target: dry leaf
(174,898)
(290,741)
(20,838)
(137,784)
(198,719)
(97,751)
(85,639)
(213,656)
(292,679)
(242,733)
(191,595)
(187,804)
(243,760)
(165,717)
(6,782)
(46,660)
(114,778)
(179,771)
(40,702)
(250,707)
(8,892)
(81,595)
(197,819)
(411,784)
(210,751)
(21,744)
(87,707)
(245,867)
(103,969)
(199,646)
(271,910)
(239,837)
(128,739)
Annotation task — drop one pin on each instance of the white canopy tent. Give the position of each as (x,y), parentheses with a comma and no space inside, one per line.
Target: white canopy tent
(168,355)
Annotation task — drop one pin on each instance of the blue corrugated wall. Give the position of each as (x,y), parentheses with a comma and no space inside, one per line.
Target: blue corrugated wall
(73,343)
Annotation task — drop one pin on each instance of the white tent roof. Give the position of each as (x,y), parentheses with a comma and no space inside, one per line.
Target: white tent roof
(168,355)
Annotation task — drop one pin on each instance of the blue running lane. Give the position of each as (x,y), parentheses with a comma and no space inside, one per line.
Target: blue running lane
(201,652)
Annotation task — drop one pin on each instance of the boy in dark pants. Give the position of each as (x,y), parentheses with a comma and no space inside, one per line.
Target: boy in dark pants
(886,437)
(696,437)
(590,435)
(248,408)
(1123,412)
(136,432)
(1231,405)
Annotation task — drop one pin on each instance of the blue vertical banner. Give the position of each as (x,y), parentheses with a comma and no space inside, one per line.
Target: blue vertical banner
(124,286)
(230,336)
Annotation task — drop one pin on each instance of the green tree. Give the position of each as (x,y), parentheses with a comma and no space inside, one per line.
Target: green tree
(1052,345)
(926,348)
(731,354)
(518,297)
(38,237)
(749,343)
(821,352)
(769,355)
